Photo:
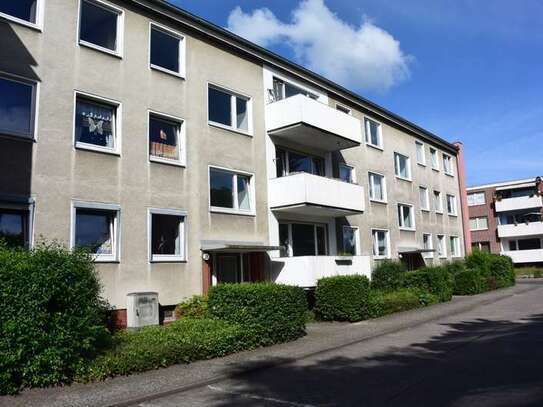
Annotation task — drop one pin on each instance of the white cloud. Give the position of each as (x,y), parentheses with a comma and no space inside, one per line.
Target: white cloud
(363,57)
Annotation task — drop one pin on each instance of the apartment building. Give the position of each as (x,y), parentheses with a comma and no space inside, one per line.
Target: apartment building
(183,156)
(505,218)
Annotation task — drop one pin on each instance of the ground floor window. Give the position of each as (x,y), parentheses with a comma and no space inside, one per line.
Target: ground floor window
(303,239)
(381,243)
(441,248)
(454,243)
(483,246)
(14,227)
(427,245)
(351,244)
(167,235)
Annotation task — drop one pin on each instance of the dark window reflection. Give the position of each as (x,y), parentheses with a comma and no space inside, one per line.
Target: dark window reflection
(93,230)
(23,9)
(219,107)
(165,234)
(15,107)
(164,50)
(14,227)
(98,25)
(303,240)
(221,189)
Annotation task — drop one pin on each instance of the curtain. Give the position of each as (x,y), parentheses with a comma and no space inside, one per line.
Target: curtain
(94,123)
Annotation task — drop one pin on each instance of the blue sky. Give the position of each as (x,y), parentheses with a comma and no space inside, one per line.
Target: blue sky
(467,70)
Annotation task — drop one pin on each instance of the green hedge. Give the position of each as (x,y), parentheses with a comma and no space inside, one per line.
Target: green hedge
(52,317)
(387,275)
(434,280)
(342,298)
(194,307)
(470,282)
(480,261)
(387,302)
(502,270)
(273,313)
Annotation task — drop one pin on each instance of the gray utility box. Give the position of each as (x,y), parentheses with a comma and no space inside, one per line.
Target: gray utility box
(141,309)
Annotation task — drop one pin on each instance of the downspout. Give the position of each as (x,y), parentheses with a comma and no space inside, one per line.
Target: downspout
(463,195)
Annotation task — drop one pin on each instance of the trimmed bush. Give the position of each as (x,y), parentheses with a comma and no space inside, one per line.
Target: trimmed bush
(502,271)
(434,280)
(387,275)
(382,303)
(52,318)
(342,298)
(481,261)
(194,307)
(272,313)
(470,282)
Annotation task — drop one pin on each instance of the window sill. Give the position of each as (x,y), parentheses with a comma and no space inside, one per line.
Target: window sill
(404,179)
(421,164)
(97,149)
(380,201)
(166,259)
(380,148)
(232,129)
(449,174)
(165,161)
(439,212)
(435,169)
(28,24)
(454,215)
(442,257)
(380,257)
(479,230)
(100,49)
(228,211)
(425,210)
(407,229)
(20,137)
(106,260)
(167,71)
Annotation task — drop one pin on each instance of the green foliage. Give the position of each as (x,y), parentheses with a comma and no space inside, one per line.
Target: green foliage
(272,313)
(342,298)
(524,272)
(194,307)
(52,318)
(388,302)
(455,267)
(152,347)
(387,275)
(480,261)
(502,271)
(434,280)
(470,282)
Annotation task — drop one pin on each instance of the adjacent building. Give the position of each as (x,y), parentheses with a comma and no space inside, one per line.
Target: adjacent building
(505,218)
(182,156)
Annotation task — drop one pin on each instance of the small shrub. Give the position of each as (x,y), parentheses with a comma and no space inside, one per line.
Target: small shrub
(272,313)
(481,261)
(470,282)
(387,275)
(502,271)
(194,307)
(342,298)
(387,302)
(434,280)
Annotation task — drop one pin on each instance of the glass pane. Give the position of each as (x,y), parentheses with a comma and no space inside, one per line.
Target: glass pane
(373,136)
(422,196)
(299,163)
(376,185)
(529,244)
(349,241)
(98,25)
(291,90)
(221,185)
(283,238)
(228,269)
(318,166)
(381,243)
(277,89)
(303,240)
(23,9)
(280,162)
(93,230)
(13,226)
(166,237)
(244,201)
(94,123)
(321,241)
(219,107)
(345,173)
(164,50)
(420,153)
(426,242)
(242,119)
(473,223)
(163,138)
(15,107)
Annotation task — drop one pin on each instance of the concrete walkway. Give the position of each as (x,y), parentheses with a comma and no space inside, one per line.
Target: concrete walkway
(322,338)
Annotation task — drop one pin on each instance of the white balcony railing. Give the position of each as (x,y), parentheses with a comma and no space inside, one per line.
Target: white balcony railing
(310,194)
(517,203)
(525,256)
(520,229)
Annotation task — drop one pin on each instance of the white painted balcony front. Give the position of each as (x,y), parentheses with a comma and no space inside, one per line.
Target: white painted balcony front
(305,271)
(308,194)
(525,256)
(521,202)
(308,122)
(520,229)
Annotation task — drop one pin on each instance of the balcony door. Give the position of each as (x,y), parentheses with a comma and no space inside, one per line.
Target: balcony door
(303,239)
(289,162)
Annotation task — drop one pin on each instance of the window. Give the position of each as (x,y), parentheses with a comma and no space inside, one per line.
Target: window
(26,12)
(441,248)
(525,244)
(347,173)
(377,187)
(17,107)
(283,89)
(421,155)
(343,109)
(166,139)
(230,191)
(438,203)
(402,166)
(96,126)
(424,199)
(350,241)
(167,50)
(454,244)
(96,229)
(303,239)
(427,245)
(406,217)
(290,162)
(476,198)
(374,136)
(167,235)
(435,159)
(381,243)
(482,246)
(100,26)
(451,205)
(15,226)
(228,110)
(447,164)
(480,223)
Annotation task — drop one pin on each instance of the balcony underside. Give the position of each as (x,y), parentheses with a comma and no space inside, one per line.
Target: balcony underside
(313,209)
(307,135)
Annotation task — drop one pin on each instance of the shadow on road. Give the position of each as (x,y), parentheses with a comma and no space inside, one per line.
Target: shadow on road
(474,363)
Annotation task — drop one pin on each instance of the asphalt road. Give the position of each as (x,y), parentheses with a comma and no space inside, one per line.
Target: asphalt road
(489,356)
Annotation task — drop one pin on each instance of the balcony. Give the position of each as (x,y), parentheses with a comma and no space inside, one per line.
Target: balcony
(517,203)
(307,122)
(520,229)
(525,256)
(305,271)
(308,194)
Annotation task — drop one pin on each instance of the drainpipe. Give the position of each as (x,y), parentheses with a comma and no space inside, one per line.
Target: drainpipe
(463,195)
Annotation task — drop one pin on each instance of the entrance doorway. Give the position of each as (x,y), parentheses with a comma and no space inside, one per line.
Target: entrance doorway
(229,268)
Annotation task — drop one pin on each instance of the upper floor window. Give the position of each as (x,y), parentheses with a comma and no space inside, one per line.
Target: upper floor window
(347,173)
(476,198)
(229,110)
(421,154)
(424,199)
(166,139)
(283,89)
(451,205)
(350,241)
(15,226)
(406,217)
(373,132)
(479,223)
(100,26)
(167,50)
(377,187)
(435,159)
(402,166)
(447,164)
(438,202)
(26,12)
(17,107)
(290,162)
(230,191)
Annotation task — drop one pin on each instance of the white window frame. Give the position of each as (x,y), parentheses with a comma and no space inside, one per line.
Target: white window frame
(10,204)
(356,232)
(397,166)
(118,52)
(290,242)
(367,134)
(448,159)
(182,50)
(34,108)
(115,255)
(477,222)
(181,139)
(424,206)
(375,244)
(353,171)
(344,109)
(455,245)
(434,154)
(441,239)
(428,255)
(440,209)
(37,25)
(423,149)
(235,210)
(412,215)
(383,187)
(454,206)
(474,202)
(167,258)
(116,150)
(233,95)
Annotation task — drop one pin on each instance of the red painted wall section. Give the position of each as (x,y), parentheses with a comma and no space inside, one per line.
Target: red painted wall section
(463,195)
(491,234)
